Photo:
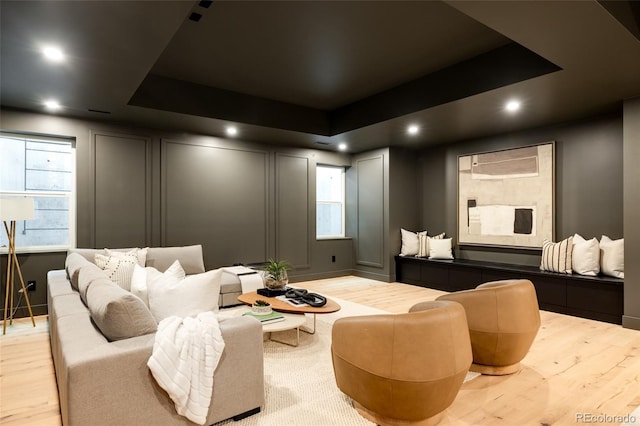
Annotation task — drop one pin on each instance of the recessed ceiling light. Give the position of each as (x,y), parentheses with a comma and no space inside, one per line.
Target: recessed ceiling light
(52,53)
(413,129)
(52,105)
(512,106)
(342,146)
(231,131)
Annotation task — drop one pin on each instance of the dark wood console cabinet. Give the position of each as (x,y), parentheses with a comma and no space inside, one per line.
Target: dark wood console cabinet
(599,298)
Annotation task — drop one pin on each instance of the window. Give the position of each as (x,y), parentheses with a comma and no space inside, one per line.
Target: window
(329,202)
(42,168)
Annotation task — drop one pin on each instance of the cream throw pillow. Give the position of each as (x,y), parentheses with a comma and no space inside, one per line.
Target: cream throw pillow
(612,256)
(185,298)
(410,242)
(142,278)
(119,267)
(556,257)
(440,248)
(585,258)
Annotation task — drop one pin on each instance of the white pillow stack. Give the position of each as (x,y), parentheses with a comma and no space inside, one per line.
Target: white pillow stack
(417,243)
(584,257)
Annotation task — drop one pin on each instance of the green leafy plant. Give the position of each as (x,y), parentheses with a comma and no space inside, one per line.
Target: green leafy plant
(277,269)
(261,302)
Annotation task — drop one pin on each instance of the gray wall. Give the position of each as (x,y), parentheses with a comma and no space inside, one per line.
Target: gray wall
(589,195)
(631,318)
(244,202)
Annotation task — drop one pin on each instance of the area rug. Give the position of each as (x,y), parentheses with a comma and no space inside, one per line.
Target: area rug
(300,388)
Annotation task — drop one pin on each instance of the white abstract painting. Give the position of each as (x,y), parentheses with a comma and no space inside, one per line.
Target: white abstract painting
(505,198)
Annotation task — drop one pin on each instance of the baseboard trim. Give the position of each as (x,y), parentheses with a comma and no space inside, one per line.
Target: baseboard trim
(631,322)
(320,275)
(372,276)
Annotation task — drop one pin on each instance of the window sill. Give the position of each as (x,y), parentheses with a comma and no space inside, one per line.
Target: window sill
(332,238)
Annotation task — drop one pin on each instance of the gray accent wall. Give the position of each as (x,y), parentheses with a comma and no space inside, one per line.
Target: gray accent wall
(244,202)
(631,117)
(588,194)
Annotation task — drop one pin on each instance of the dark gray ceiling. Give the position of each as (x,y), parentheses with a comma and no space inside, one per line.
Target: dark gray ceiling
(298,73)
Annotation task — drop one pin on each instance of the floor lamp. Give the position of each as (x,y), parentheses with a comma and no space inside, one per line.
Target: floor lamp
(11,210)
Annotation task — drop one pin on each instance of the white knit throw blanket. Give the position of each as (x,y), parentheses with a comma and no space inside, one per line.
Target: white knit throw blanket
(185,355)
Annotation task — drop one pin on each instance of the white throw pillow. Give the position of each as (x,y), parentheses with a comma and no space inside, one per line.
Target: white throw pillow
(424,243)
(410,242)
(556,257)
(440,248)
(144,277)
(185,298)
(612,257)
(585,258)
(119,268)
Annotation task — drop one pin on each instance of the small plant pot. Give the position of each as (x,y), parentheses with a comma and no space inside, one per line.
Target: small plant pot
(261,310)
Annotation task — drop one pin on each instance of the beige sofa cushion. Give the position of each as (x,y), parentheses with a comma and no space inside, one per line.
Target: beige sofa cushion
(190,258)
(86,276)
(72,264)
(118,313)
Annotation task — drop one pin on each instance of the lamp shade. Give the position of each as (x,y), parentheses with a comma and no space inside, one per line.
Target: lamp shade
(16,209)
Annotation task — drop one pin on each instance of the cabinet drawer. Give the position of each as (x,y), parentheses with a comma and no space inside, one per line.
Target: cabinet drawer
(435,276)
(595,297)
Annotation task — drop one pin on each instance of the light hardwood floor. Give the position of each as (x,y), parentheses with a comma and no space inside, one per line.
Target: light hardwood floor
(575,367)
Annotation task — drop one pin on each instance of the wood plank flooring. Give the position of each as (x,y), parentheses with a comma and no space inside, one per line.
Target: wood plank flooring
(576,367)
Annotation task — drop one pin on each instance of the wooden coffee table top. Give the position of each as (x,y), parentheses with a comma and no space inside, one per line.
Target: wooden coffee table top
(282,306)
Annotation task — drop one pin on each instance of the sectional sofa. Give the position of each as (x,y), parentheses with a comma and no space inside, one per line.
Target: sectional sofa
(102,338)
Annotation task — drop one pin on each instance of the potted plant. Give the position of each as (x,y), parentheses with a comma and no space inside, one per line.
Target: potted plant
(261,307)
(275,277)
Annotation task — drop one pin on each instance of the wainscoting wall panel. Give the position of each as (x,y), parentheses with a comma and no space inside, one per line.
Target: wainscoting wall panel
(370,206)
(292,210)
(217,197)
(121,190)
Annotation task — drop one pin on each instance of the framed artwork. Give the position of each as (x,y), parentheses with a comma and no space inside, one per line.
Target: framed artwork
(506,198)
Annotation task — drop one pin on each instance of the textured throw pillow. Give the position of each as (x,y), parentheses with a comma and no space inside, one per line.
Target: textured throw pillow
(142,278)
(440,248)
(186,298)
(612,257)
(410,242)
(140,253)
(556,257)
(119,268)
(118,313)
(585,258)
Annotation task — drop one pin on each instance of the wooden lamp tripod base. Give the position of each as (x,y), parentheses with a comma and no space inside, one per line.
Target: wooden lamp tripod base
(13,266)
